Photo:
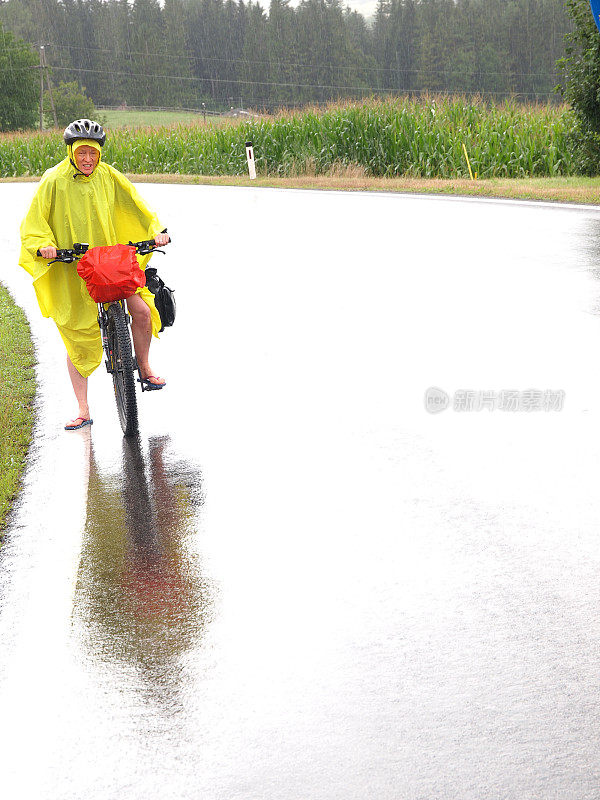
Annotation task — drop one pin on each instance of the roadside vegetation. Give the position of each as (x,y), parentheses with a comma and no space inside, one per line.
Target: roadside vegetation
(17,392)
(575,189)
(580,68)
(384,138)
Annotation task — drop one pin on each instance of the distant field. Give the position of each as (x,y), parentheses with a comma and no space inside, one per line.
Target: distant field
(133,118)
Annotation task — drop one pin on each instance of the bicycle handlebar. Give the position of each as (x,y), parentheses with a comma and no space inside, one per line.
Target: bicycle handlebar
(143,248)
(79,248)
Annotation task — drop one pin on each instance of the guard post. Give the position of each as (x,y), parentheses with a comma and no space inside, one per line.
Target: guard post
(250,157)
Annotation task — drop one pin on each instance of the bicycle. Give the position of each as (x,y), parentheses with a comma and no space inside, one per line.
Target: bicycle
(114,322)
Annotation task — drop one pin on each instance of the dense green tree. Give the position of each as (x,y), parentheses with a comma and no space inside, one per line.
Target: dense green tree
(255,67)
(147,55)
(19,83)
(113,58)
(581,83)
(181,53)
(180,89)
(383,43)
(18,18)
(283,53)
(406,35)
(330,62)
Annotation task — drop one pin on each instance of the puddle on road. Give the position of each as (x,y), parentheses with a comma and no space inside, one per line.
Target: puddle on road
(140,599)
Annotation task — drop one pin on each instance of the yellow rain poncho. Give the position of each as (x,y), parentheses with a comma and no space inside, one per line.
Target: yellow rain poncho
(69,207)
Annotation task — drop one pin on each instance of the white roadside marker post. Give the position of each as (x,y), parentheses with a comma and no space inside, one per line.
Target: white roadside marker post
(250,157)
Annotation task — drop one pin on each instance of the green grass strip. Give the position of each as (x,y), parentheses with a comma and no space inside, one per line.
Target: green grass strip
(17,393)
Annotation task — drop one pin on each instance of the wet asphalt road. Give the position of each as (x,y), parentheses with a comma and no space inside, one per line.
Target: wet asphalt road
(298,583)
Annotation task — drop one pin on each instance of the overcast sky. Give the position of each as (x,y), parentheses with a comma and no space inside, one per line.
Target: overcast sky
(364,7)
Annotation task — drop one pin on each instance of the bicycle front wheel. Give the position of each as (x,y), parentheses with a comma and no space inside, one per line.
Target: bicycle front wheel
(122,368)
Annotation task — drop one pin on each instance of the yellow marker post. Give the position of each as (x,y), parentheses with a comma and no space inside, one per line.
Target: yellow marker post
(468,162)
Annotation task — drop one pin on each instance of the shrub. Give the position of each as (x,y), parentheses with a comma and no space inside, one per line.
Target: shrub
(70,102)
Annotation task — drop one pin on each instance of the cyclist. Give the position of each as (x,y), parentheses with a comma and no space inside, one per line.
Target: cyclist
(82,199)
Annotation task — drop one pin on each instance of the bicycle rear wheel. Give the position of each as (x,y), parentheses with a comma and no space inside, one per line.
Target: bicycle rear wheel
(122,368)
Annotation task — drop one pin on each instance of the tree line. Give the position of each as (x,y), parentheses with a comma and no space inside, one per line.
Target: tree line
(183,53)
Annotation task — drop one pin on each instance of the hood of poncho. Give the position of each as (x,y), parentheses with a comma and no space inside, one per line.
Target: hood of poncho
(71,148)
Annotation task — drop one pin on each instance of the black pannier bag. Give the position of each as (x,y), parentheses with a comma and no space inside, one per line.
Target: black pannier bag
(164,298)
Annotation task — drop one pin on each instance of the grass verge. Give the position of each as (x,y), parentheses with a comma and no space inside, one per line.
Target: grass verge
(17,392)
(560,190)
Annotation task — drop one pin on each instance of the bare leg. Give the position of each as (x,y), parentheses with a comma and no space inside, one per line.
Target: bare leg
(141,330)
(80,385)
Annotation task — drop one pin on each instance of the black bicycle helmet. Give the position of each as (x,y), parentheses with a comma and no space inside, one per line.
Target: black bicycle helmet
(84,129)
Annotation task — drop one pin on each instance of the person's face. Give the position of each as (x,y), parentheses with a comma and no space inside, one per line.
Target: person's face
(86,158)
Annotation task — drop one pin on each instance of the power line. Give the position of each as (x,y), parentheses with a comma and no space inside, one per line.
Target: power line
(286,84)
(295,65)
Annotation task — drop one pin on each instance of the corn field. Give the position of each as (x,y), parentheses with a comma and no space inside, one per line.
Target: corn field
(387,138)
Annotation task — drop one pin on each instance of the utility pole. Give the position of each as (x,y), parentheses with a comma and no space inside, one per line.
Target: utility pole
(42,55)
(49,85)
(43,66)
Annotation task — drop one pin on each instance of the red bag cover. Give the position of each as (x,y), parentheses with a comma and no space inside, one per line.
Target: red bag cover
(111,272)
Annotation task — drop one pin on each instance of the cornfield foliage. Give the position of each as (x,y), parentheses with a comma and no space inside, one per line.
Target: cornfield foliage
(386,138)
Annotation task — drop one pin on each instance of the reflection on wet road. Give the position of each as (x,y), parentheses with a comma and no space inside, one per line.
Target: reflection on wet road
(138,600)
(297,583)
